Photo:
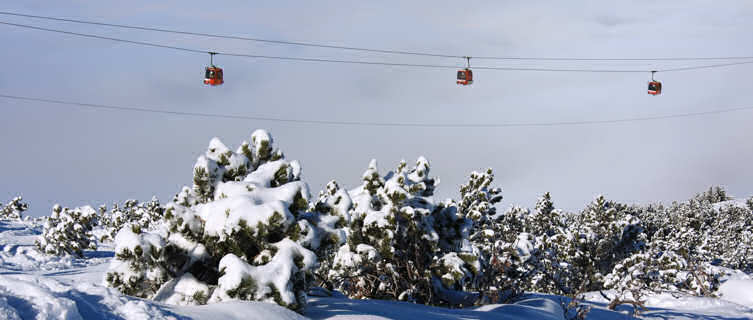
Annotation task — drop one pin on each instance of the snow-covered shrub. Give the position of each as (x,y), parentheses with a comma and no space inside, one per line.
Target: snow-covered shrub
(683,240)
(138,268)
(135,214)
(498,241)
(241,231)
(68,231)
(14,209)
(730,240)
(603,234)
(715,194)
(462,228)
(550,274)
(521,250)
(331,213)
(391,242)
(404,245)
(703,230)
(657,270)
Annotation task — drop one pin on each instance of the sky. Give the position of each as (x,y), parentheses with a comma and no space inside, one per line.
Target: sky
(76,156)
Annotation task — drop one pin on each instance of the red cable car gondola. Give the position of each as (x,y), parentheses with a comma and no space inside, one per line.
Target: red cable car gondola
(465,76)
(654,87)
(213,74)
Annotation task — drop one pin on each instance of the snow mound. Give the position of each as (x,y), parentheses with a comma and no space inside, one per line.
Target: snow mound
(739,291)
(33,297)
(534,307)
(248,310)
(18,252)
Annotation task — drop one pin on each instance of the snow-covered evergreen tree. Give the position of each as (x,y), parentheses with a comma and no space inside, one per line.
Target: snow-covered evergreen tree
(391,241)
(68,231)
(241,231)
(331,213)
(715,194)
(659,270)
(603,234)
(135,214)
(683,240)
(138,268)
(547,226)
(404,245)
(14,209)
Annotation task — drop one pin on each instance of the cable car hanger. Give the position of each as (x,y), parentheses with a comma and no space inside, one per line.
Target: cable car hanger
(654,86)
(212,73)
(465,77)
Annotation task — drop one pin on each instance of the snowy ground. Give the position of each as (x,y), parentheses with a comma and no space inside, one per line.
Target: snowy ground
(38,286)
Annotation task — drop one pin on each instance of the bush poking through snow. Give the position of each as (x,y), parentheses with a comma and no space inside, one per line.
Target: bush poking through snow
(14,209)
(68,231)
(140,215)
(402,245)
(391,240)
(138,269)
(241,232)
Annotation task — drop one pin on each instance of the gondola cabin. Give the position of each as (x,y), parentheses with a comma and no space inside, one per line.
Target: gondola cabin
(213,76)
(465,77)
(654,87)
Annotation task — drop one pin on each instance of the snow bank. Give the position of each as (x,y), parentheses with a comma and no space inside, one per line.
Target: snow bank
(246,310)
(739,291)
(18,252)
(535,307)
(41,297)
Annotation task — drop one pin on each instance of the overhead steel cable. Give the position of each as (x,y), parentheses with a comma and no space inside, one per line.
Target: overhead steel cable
(151,44)
(374,123)
(433,66)
(102,37)
(232,37)
(705,66)
(351,48)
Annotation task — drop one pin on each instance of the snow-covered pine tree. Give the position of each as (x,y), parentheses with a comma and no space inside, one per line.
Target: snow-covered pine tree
(68,231)
(657,270)
(331,213)
(603,234)
(547,226)
(391,241)
(478,201)
(513,254)
(135,214)
(518,248)
(14,209)
(683,239)
(240,232)
(715,194)
(462,230)
(684,228)
(403,245)
(730,238)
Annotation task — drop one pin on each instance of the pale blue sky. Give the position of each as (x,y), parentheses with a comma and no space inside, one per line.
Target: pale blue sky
(73,156)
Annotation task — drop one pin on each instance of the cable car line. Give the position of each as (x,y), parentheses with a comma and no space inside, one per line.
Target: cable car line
(385,51)
(434,66)
(377,124)
(209,35)
(705,66)
(102,37)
